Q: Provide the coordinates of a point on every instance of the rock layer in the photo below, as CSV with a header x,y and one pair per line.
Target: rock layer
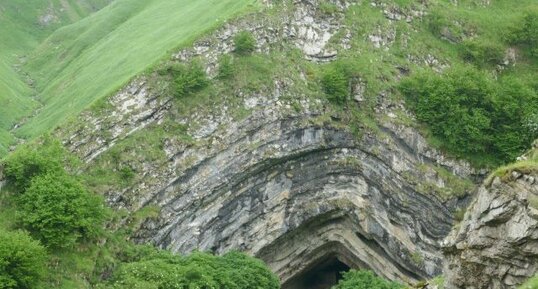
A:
x,y
293,186
497,242
285,191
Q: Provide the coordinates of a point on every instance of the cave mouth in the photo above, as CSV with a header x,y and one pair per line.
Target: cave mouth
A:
x,y
323,275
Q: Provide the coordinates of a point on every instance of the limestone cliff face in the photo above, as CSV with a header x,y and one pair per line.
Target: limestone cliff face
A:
x,y
294,194
294,191
290,183
496,245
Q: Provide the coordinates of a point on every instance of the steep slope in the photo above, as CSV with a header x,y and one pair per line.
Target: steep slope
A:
x,y
262,157
23,25
497,242
262,162
90,59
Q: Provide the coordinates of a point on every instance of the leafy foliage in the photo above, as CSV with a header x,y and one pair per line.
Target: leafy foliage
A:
x,y
226,67
22,260
471,113
244,43
527,34
31,160
482,52
59,211
364,280
335,84
198,270
188,79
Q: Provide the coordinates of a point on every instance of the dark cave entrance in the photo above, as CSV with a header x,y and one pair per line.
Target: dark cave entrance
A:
x,y
321,276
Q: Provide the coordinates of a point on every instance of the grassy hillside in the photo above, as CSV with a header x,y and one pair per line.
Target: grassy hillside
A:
x,y
95,56
23,25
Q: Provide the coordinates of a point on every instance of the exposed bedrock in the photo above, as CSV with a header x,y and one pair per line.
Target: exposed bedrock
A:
x,y
296,194
290,183
497,242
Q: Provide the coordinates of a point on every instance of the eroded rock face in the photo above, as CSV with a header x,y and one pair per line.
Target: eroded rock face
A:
x,y
293,186
291,192
496,245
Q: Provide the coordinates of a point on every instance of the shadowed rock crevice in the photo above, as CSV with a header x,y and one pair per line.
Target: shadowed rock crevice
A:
x,y
324,274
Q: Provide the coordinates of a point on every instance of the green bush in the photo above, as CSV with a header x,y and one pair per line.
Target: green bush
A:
x,y
364,280
527,34
328,8
59,211
473,115
335,84
244,43
198,270
188,79
30,161
22,261
482,52
127,174
226,67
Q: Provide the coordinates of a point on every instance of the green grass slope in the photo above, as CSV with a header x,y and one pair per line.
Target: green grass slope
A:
x,y
92,58
21,31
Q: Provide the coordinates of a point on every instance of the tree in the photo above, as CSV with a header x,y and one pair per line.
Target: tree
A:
x,y
22,260
32,160
59,211
364,280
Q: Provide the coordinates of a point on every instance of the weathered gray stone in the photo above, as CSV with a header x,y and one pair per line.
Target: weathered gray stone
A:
x,y
280,184
497,242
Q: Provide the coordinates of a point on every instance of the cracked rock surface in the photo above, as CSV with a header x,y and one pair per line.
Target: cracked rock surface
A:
x,y
497,242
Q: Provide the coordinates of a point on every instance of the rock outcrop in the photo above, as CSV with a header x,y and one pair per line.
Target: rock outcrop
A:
x,y
294,194
290,183
496,245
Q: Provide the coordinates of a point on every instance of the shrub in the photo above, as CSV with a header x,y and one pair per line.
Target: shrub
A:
x,y
226,68
29,161
244,43
188,79
22,260
59,211
482,52
473,115
199,270
364,280
335,84
328,8
127,174
527,34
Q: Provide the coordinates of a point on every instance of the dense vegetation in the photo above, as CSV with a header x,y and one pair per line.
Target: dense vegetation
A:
x,y
198,270
478,102
474,115
52,235
22,260
52,224
365,280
